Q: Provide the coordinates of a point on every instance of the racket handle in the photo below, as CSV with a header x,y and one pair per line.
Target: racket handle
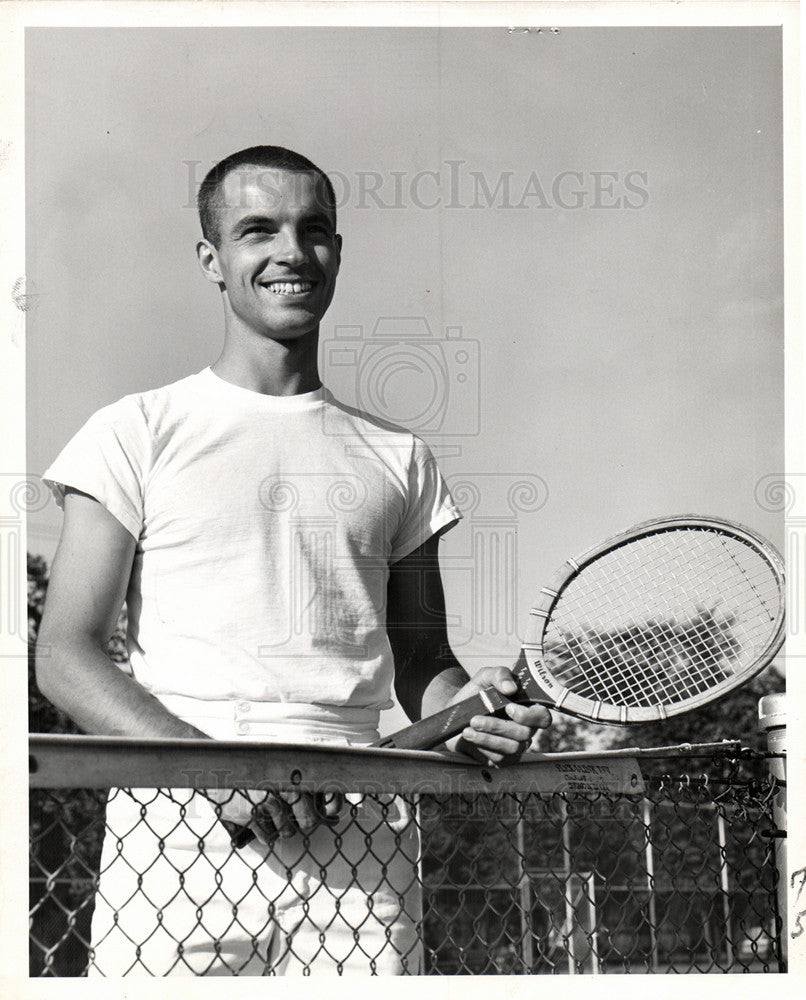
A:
x,y
435,729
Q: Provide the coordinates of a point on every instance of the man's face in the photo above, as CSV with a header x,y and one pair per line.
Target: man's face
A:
x,y
278,254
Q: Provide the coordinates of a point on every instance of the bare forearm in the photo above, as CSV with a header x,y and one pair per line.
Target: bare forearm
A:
x,y
82,681
442,688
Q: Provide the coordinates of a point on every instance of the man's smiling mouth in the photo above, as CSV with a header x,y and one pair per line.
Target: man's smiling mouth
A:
x,y
289,287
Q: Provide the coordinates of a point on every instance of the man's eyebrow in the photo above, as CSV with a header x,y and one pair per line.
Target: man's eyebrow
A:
x,y
250,220
260,219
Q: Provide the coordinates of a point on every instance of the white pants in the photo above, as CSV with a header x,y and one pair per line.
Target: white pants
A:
x,y
176,899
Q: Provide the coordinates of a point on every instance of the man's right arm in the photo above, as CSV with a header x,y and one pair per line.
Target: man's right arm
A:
x,y
88,581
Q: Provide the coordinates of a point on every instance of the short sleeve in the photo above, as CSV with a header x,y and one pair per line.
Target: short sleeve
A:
x,y
107,459
429,506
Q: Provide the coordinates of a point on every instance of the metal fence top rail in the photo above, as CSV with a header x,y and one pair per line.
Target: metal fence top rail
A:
x,y
60,761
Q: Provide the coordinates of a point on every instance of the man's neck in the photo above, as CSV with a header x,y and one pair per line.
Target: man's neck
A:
x,y
271,367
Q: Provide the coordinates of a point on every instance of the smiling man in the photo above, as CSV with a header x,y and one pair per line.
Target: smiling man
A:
x,y
271,246
277,551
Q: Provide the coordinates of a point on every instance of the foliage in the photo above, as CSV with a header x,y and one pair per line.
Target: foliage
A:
x,y
43,717
66,829
733,717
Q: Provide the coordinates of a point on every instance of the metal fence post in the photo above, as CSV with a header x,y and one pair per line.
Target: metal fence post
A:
x,y
724,884
649,860
524,892
772,721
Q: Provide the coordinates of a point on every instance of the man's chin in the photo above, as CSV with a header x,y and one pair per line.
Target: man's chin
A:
x,y
291,332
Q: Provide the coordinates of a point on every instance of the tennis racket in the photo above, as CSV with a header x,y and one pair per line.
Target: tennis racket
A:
x,y
659,620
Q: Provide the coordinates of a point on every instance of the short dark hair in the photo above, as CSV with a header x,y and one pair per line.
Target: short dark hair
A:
x,y
210,201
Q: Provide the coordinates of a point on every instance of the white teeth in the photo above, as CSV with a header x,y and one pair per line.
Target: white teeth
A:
x,y
290,287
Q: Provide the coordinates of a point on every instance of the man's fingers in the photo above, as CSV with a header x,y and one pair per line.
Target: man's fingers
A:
x,y
311,810
499,677
270,815
508,736
277,812
531,716
287,813
330,805
505,728
304,808
494,745
261,824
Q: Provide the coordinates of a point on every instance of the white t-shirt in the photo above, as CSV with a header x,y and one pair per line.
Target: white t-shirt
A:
x,y
265,528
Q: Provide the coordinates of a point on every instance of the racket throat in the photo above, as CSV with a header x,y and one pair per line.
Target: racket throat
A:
x,y
528,690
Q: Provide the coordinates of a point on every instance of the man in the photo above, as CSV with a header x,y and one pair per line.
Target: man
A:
x,y
278,555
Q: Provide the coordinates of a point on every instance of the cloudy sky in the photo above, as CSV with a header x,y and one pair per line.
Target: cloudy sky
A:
x,y
562,260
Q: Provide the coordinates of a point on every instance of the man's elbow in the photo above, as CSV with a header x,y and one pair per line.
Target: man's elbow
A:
x,y
410,703
53,656
410,685
47,676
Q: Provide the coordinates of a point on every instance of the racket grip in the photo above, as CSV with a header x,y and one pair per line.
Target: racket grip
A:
x,y
435,729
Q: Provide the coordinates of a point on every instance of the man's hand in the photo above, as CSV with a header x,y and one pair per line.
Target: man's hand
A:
x,y
497,740
273,814
285,813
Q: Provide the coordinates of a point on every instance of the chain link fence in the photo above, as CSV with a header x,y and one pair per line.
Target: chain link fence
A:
x,y
579,864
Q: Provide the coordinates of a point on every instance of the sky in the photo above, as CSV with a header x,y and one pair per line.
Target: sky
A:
x,y
562,266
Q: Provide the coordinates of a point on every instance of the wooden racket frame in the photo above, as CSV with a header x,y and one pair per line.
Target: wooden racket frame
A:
x,y
574,704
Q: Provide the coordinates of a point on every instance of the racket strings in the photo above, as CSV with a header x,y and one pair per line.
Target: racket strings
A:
x,y
663,618
763,602
638,649
657,660
641,649
648,648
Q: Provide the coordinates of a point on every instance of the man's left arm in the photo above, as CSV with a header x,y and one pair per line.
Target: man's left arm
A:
x,y
428,677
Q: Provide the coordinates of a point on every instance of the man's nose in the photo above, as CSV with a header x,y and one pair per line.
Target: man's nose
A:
x,y
289,248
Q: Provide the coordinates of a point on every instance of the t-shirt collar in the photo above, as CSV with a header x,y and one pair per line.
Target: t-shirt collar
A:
x,y
299,401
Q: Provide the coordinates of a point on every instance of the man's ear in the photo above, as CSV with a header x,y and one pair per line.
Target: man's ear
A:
x,y
208,261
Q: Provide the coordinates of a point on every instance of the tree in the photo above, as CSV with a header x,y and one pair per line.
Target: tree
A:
x,y
733,717
66,828
43,717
